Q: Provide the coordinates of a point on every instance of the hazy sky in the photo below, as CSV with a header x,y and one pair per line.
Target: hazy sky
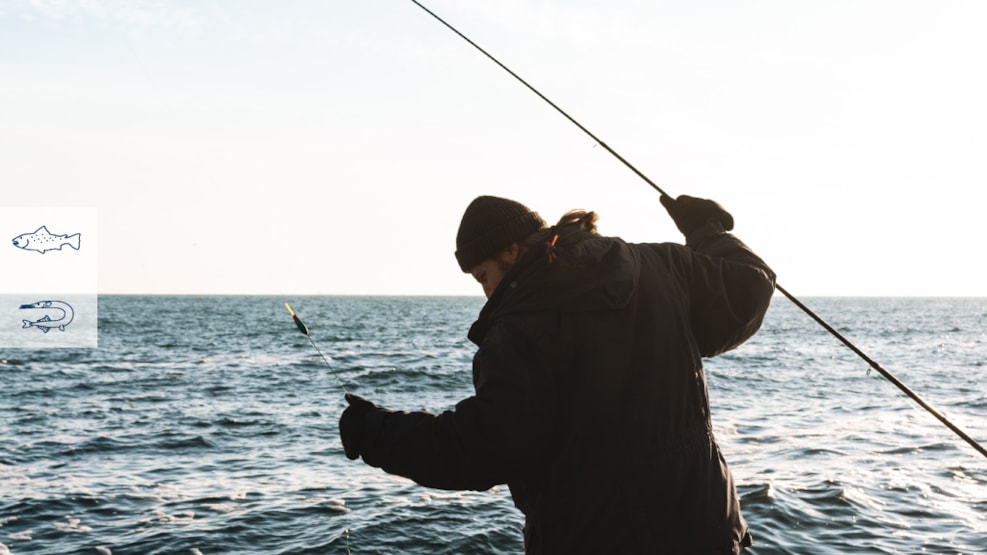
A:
x,y
327,147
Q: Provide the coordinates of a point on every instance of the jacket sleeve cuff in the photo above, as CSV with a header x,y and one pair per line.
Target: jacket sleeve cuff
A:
x,y
373,423
712,228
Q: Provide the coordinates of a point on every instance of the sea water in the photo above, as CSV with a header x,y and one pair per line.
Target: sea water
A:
x,y
208,425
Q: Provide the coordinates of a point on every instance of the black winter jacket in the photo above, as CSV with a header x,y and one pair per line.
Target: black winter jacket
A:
x,y
591,401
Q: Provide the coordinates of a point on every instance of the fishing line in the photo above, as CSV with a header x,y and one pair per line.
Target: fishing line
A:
x,y
791,297
304,329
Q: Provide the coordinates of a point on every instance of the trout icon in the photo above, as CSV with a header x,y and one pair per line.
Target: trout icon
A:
x,y
43,241
45,323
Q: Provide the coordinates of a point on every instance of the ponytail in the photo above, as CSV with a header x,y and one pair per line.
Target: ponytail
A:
x,y
583,219
586,220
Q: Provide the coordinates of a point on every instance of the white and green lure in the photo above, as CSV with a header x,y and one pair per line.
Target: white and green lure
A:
x,y
304,329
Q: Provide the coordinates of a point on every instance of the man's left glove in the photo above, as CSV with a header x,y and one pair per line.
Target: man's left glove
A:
x,y
353,425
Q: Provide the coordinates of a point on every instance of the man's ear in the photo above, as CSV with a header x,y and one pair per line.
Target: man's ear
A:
x,y
511,253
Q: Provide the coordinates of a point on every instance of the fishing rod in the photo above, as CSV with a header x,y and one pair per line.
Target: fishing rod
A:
x,y
304,329
781,289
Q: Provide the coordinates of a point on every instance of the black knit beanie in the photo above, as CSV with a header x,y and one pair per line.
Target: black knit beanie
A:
x,y
491,224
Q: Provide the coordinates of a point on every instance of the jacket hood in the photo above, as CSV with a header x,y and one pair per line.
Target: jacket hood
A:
x,y
581,272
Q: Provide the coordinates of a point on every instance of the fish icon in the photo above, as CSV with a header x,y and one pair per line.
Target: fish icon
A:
x,y
43,241
46,323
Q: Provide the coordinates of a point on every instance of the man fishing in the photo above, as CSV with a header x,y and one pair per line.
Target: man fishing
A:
x,y
591,400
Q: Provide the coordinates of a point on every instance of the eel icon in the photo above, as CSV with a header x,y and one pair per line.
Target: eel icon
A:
x,y
46,323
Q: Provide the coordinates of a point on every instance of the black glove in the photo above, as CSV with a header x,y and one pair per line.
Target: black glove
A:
x,y
691,214
353,425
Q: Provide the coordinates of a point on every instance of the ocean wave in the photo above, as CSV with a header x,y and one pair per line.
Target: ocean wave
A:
x,y
183,443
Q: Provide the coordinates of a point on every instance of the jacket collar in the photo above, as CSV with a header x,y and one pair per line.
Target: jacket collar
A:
x,y
588,272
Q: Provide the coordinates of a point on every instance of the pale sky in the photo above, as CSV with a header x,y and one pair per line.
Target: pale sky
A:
x,y
327,147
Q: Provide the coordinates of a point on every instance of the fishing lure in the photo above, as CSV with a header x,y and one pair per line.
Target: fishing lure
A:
x,y
305,331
